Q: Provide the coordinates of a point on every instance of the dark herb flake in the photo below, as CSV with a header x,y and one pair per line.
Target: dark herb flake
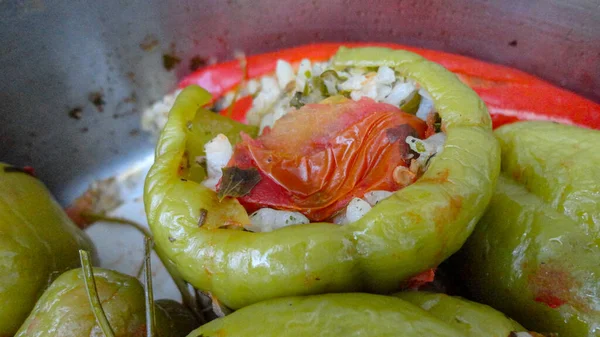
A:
x,y
296,101
202,217
237,182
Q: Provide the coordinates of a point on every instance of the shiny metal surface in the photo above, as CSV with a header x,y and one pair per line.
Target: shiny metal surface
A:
x,y
56,55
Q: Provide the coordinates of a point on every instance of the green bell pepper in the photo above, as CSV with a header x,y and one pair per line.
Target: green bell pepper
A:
x,y
534,255
37,243
472,318
413,230
355,314
64,309
342,315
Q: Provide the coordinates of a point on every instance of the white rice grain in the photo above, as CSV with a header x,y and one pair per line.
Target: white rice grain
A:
x,y
374,197
303,70
252,87
284,73
267,121
400,93
268,219
356,209
354,82
218,153
425,108
385,75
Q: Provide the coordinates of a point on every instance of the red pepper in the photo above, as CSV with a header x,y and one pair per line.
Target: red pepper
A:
x,y
551,301
419,280
239,110
510,94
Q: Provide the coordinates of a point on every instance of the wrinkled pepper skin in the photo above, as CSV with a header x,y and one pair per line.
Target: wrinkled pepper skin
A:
x,y
510,94
64,309
37,243
413,230
535,254
329,315
472,318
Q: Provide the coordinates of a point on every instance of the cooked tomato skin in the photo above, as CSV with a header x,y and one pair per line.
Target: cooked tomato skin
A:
x,y
317,171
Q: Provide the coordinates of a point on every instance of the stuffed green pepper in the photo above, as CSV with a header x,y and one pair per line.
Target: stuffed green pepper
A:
x,y
472,318
352,174
535,254
357,314
37,243
64,309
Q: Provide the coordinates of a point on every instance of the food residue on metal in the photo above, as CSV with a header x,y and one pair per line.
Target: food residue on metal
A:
x,y
131,77
97,98
101,197
170,61
197,62
132,98
149,42
76,113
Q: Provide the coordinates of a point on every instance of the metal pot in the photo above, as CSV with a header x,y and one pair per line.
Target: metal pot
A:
x,y
76,74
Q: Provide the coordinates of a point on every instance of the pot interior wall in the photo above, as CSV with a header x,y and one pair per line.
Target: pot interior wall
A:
x,y
77,74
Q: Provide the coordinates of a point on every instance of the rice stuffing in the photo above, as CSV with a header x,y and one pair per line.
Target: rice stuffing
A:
x,y
291,87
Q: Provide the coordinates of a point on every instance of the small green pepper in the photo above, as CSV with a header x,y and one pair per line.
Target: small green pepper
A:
x,y
472,318
329,315
535,253
64,309
413,230
37,243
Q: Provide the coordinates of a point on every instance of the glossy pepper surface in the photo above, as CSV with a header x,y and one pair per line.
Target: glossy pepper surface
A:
x,y
535,253
472,318
64,309
411,231
331,315
37,243
510,95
